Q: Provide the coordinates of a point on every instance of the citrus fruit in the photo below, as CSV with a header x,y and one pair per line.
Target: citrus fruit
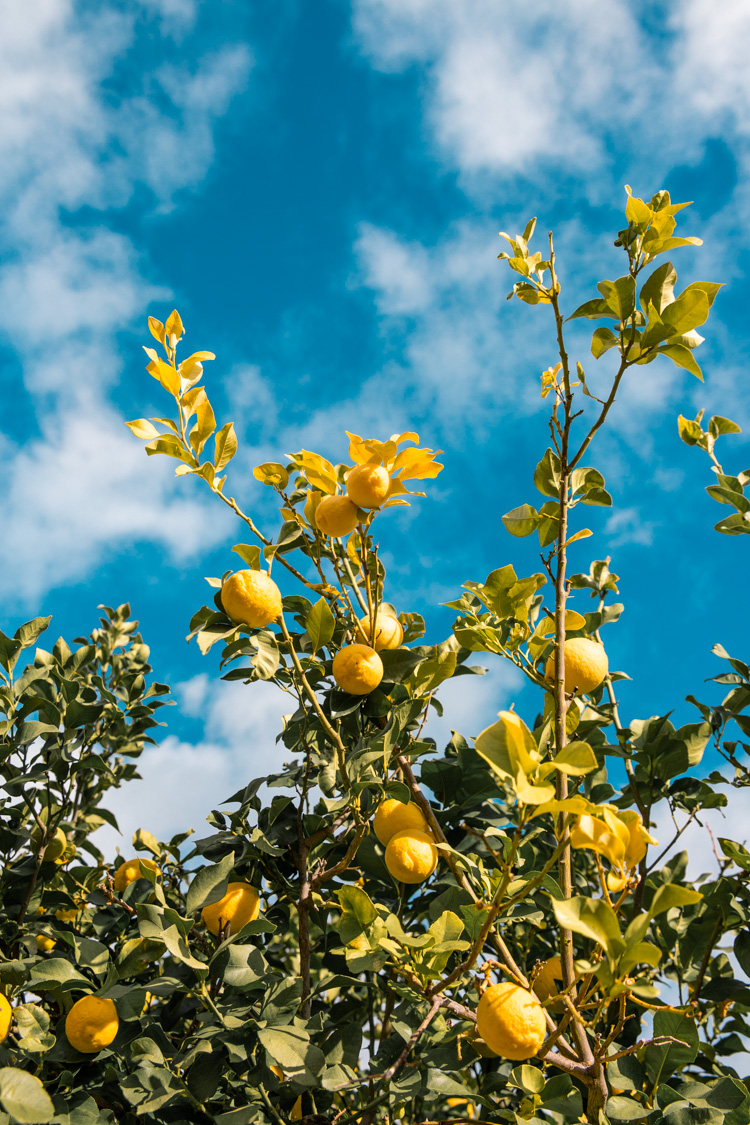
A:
x,y
129,871
336,515
251,597
367,485
67,915
511,1021
55,846
240,905
91,1024
545,983
357,669
392,816
6,1017
388,630
586,665
411,856
44,943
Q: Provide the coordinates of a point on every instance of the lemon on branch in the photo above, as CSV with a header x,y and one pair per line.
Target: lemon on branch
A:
x,y
336,516
510,1020
586,665
240,905
91,1024
411,856
54,848
6,1017
389,632
368,485
251,597
129,871
44,943
394,816
357,669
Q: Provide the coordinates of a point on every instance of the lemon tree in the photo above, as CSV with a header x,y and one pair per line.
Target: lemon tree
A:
x,y
383,929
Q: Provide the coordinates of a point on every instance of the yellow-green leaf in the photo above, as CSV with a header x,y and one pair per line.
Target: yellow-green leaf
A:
x,y
529,794
173,327
577,758
156,328
226,446
508,746
166,374
272,473
142,428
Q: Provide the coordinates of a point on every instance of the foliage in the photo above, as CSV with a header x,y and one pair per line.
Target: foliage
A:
x,y
353,997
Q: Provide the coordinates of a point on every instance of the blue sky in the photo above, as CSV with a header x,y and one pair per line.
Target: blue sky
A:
x,y
318,188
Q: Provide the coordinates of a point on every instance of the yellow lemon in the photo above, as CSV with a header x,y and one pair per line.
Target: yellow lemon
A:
x,y
6,1017
586,665
545,983
336,515
91,1024
240,905
252,598
44,943
388,630
394,816
511,1021
129,871
67,915
55,847
368,485
411,856
357,669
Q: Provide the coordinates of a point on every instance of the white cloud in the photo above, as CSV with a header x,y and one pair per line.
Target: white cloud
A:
x,y
627,527
182,783
67,288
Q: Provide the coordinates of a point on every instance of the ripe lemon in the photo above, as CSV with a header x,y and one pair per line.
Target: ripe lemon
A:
x,y
394,816
240,905
586,665
91,1024
411,856
511,1021
545,983
336,515
44,943
368,485
252,598
357,669
389,632
129,871
55,846
6,1017
67,915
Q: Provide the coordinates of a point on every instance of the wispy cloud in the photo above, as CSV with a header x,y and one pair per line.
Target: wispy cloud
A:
x,y
72,151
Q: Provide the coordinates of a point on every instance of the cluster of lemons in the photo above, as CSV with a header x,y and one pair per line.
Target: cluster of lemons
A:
x,y
251,597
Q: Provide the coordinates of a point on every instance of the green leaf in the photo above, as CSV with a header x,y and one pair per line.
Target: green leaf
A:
x,y
716,426
602,340
682,357
226,446
508,747
593,310
249,553
272,473
658,289
689,311
24,1097
527,1078
170,446
690,432
625,1109
290,1047
320,624
209,885
144,841
521,521
663,1061
547,474
620,296
592,918
357,902
576,758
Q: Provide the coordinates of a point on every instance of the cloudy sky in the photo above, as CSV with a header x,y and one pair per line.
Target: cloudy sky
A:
x,y
318,189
